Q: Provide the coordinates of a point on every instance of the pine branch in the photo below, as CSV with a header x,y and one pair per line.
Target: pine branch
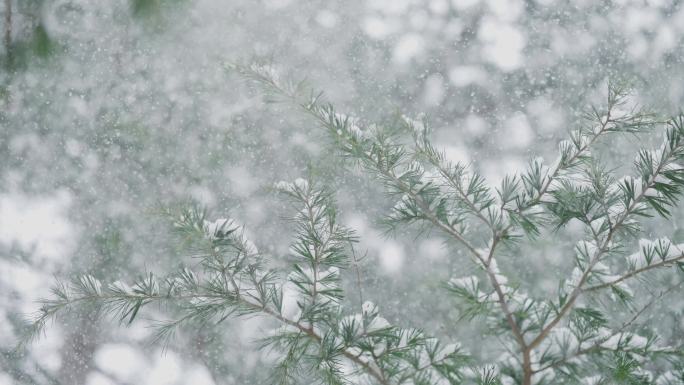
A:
x,y
233,282
430,215
356,143
464,184
115,296
458,193
672,149
515,329
344,129
309,331
575,152
664,263
597,346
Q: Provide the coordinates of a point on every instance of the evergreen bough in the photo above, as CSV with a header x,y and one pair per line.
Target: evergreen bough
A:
x,y
568,339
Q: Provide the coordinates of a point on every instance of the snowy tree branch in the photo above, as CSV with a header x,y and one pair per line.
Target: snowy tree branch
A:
x,y
664,263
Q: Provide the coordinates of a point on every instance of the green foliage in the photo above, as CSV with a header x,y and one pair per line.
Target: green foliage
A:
x,y
42,44
143,7
317,341
544,338
566,338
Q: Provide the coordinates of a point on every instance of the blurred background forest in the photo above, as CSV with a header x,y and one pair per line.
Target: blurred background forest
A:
x,y
111,108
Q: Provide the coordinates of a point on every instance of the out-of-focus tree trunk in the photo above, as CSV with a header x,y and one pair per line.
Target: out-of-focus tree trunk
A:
x,y
8,30
80,344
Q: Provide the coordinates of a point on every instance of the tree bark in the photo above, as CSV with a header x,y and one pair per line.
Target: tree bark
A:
x,y
527,368
81,343
8,30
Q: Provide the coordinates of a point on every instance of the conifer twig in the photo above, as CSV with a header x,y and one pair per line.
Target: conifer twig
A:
x,y
598,345
666,262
